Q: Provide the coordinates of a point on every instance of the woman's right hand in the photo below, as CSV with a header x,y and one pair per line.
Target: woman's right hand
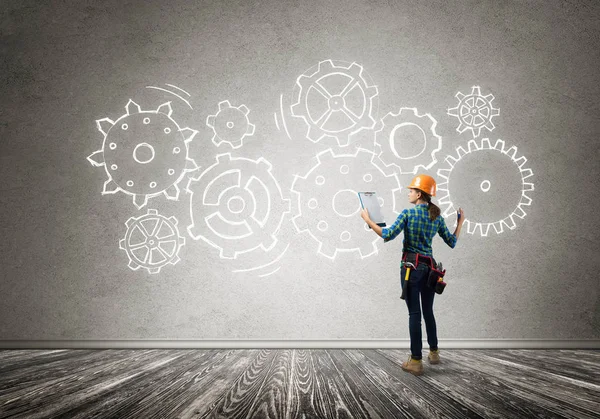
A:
x,y
461,216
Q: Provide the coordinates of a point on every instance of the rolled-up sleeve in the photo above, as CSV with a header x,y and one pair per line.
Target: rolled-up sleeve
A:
x,y
449,238
390,233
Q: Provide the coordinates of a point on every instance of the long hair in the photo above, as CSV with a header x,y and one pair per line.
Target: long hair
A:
x,y
434,210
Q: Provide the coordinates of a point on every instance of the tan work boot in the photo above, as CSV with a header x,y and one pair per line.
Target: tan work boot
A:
x,y
434,356
413,366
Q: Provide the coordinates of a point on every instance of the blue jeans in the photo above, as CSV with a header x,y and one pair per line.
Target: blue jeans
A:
x,y
417,285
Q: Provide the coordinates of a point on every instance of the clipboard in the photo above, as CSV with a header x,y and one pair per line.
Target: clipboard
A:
x,y
369,201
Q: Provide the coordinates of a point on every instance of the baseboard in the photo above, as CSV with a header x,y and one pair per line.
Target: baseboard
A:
x,y
298,344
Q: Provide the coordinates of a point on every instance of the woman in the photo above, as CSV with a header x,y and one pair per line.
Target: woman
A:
x,y
420,225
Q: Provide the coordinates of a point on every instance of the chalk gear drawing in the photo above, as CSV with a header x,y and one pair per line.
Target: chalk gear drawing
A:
x,y
407,130
335,101
327,202
474,112
244,203
230,124
144,153
473,178
152,241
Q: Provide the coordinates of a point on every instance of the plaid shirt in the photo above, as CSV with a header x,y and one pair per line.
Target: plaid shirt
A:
x,y
419,230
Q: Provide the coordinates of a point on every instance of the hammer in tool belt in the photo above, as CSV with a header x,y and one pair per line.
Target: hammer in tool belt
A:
x,y
408,266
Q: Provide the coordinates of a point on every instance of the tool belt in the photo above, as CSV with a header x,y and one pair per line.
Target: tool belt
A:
x,y
414,258
436,274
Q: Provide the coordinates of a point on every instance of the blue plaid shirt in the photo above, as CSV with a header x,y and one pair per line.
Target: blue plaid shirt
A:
x,y
419,230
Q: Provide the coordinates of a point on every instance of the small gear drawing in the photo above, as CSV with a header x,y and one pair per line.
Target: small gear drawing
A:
x,y
512,169
327,204
340,102
408,119
230,124
152,241
474,112
144,153
245,202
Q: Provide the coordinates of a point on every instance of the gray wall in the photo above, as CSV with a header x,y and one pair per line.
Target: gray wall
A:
x,y
67,64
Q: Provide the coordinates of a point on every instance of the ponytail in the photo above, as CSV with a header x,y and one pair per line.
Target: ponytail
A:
x,y
434,210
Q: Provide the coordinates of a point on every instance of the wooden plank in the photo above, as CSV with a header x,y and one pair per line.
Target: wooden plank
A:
x,y
308,396
20,354
373,400
565,364
541,375
210,388
592,355
239,398
35,359
481,393
326,392
472,400
271,399
530,385
406,395
345,399
184,389
46,371
58,396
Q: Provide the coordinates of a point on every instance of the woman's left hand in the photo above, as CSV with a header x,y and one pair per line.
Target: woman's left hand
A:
x,y
365,215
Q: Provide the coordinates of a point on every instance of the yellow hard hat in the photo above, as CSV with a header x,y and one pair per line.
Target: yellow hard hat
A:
x,y
424,183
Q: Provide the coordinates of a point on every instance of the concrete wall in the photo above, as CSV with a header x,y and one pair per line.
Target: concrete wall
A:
x,y
68,64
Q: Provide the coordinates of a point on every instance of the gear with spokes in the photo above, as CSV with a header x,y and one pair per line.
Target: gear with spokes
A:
x,y
408,130
474,112
230,124
335,101
152,241
144,153
492,179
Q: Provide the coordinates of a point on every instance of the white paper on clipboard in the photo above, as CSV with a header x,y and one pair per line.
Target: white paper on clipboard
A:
x,y
369,201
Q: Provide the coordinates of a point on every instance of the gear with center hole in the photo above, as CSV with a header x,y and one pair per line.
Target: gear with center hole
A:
x,y
474,112
327,204
341,102
144,153
392,126
230,124
152,241
236,205
480,187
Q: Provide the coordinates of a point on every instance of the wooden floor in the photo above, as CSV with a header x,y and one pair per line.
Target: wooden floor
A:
x,y
327,383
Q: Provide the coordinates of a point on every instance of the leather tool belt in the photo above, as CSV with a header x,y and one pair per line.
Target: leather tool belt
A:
x,y
415,258
436,274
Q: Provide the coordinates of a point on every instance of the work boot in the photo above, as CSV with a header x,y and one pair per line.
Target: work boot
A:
x,y
434,356
413,366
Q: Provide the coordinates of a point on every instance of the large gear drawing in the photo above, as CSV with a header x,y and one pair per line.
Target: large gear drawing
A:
x,y
230,124
245,202
474,112
144,153
152,241
408,119
327,204
514,167
335,111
